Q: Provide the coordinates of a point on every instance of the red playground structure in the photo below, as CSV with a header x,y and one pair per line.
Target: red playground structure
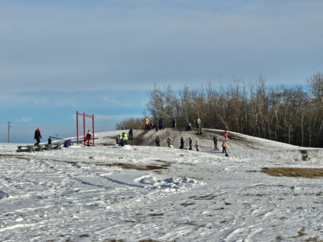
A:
x,y
77,125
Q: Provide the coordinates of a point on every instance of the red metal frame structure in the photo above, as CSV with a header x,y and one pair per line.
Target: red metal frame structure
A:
x,y
77,125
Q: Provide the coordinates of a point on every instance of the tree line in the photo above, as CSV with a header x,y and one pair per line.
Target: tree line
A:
x,y
291,115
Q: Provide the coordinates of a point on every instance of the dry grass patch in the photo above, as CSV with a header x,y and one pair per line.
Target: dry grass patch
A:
x,y
196,178
156,214
84,236
313,239
125,166
192,223
113,240
301,232
8,156
205,197
128,166
151,240
293,172
187,204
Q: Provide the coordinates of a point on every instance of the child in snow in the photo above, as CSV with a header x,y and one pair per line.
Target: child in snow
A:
x,y
224,147
197,146
215,140
68,143
169,142
157,141
182,143
125,137
49,144
88,137
121,142
118,138
190,143
188,127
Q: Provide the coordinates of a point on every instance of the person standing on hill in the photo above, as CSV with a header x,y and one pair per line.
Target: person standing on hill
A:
x,y
182,143
156,126
160,123
174,123
169,142
146,122
190,143
157,141
225,135
224,147
49,143
130,134
125,137
118,139
37,136
215,140
199,123
197,146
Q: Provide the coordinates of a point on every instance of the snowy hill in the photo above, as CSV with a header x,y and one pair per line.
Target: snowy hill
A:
x,y
147,193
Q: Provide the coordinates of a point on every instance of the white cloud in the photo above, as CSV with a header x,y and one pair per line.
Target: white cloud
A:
x,y
23,120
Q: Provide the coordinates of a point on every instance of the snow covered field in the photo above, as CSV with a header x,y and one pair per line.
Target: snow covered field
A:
x,y
146,193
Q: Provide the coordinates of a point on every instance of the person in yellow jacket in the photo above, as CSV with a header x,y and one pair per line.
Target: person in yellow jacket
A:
x,y
146,122
125,137
224,147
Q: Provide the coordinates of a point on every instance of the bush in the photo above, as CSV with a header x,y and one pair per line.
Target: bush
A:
x,y
131,123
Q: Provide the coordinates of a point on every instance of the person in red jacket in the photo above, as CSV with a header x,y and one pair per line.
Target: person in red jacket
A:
x,y
225,135
88,137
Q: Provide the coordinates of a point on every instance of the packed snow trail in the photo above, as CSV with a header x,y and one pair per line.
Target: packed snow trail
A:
x,y
104,193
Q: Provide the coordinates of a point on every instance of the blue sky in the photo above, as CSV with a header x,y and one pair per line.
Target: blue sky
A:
x,y
102,57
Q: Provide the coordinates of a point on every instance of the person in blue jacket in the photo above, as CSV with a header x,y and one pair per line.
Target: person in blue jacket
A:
x,y
68,143
130,134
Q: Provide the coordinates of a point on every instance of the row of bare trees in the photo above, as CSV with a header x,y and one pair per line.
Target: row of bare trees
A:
x,y
292,115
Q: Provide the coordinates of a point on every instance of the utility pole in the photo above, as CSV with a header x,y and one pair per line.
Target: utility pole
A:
x,y
9,130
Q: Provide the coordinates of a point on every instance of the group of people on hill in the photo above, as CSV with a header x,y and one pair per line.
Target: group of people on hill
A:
x,y
122,138
38,137
149,125
197,146
170,143
224,145
158,125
